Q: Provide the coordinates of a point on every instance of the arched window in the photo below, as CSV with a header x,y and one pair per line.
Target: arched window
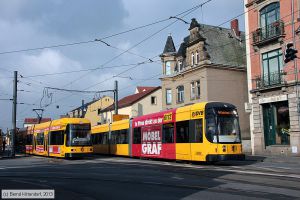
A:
x,y
268,16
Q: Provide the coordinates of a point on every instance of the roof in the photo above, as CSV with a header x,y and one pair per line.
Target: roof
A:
x,y
87,104
35,120
221,45
84,105
169,47
131,99
194,24
143,88
182,50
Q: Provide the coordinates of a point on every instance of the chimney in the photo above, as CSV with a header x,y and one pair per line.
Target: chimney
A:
x,y
235,27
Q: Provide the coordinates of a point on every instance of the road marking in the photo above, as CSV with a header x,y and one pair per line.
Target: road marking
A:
x,y
260,188
178,178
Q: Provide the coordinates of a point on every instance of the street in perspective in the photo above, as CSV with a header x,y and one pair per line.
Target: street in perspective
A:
x,y
150,99
105,177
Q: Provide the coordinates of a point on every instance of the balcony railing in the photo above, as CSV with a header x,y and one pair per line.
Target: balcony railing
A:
x,y
268,33
269,80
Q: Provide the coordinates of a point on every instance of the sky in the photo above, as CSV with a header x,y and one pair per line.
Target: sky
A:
x,y
28,27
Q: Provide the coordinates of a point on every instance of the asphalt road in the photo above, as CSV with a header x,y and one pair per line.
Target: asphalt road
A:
x,y
126,178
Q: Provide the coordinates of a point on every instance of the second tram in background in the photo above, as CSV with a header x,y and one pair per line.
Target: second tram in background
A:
x,y
64,138
207,131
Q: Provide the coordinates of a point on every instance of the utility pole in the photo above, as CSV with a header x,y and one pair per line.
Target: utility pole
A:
x,y
116,97
14,114
82,109
295,60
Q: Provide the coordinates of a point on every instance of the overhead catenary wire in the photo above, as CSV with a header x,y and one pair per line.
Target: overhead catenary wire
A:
x,y
103,38
150,36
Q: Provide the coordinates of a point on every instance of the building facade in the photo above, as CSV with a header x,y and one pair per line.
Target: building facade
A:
x,y
208,66
273,84
92,110
146,100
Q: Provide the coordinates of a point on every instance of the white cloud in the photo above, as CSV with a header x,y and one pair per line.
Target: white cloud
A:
x,y
48,61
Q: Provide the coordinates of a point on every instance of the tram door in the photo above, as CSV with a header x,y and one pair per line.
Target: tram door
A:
x,y
183,138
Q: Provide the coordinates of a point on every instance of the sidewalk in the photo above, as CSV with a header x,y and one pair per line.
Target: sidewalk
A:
x,y
274,159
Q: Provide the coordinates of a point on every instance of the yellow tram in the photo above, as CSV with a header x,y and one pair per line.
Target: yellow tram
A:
x,y
207,131
65,138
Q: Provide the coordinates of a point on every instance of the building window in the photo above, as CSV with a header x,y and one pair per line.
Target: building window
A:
x,y
193,59
153,100
180,66
180,94
168,96
195,90
272,65
168,68
268,16
197,57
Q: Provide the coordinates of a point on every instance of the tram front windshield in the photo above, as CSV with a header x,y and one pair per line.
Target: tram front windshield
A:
x,y
222,126
78,135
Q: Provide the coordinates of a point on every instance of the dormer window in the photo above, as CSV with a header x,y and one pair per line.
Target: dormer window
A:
x,y
197,57
168,68
193,59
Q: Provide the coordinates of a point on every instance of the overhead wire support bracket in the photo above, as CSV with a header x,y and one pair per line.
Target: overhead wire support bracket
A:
x,y
174,17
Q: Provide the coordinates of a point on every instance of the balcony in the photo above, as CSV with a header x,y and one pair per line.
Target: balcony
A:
x,y
266,81
268,33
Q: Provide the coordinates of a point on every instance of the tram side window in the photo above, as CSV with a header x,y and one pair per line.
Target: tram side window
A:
x,y
29,139
168,133
105,138
40,139
114,137
93,138
199,130
182,132
96,138
56,138
137,136
196,131
123,136
99,138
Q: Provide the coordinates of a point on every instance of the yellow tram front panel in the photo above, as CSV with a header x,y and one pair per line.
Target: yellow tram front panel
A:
x,y
79,150
102,148
120,149
59,127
